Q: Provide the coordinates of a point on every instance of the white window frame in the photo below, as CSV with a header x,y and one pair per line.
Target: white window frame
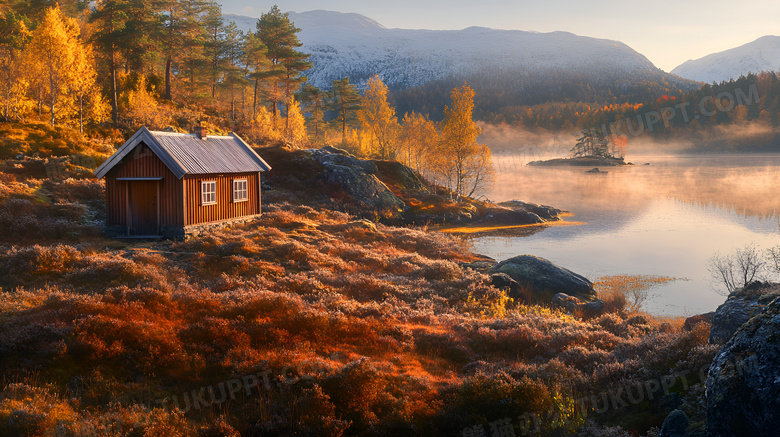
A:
x,y
240,193
208,192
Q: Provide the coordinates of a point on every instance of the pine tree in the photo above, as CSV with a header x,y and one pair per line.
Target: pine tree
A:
x,y
120,30
233,75
314,99
279,36
214,27
179,31
592,143
345,101
257,63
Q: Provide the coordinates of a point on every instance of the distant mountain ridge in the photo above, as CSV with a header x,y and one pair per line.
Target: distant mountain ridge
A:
x,y
348,44
762,54
506,67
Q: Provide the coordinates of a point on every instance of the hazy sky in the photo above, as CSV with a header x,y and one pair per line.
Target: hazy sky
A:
x,y
667,32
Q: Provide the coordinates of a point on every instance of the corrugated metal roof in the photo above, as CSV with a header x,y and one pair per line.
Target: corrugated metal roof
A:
x,y
188,154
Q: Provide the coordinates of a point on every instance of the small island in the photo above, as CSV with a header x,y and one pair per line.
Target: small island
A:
x,y
592,149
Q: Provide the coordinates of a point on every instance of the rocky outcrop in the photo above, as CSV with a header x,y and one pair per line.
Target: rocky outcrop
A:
x,y
365,189
547,213
740,307
743,384
384,190
356,177
517,212
544,278
509,217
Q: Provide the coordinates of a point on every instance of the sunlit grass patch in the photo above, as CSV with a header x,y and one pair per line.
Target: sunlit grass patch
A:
x,y
627,292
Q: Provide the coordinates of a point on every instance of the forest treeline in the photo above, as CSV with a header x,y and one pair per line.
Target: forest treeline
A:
x,y
120,64
171,64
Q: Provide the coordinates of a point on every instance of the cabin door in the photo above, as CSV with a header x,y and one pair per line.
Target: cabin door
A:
x,y
143,207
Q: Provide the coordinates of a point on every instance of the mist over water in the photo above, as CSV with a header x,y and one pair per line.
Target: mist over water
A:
x,y
667,218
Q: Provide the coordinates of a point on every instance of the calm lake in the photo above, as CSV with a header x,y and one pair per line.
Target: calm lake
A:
x,y
667,218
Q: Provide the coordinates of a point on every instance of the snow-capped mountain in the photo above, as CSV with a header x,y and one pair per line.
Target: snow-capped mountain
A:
x,y
762,54
343,44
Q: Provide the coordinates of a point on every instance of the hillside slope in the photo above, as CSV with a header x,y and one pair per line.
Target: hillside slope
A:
x,y
762,54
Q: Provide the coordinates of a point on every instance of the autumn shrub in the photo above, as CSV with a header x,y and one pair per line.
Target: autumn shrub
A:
x,y
485,397
31,411
218,429
358,392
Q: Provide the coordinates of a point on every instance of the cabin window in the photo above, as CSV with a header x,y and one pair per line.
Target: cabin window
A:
x,y
208,192
239,190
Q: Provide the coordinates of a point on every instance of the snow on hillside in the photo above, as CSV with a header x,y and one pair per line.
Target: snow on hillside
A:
x,y
762,54
353,45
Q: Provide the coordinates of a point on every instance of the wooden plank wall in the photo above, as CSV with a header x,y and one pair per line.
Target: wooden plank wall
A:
x,y
142,162
225,208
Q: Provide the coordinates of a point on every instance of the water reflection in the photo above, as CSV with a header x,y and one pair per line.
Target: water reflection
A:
x,y
667,218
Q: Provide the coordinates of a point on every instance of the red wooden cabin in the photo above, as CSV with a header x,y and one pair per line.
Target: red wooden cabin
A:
x,y
161,184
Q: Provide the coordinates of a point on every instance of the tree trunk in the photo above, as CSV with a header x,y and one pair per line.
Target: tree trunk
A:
x,y
81,113
214,65
168,63
254,100
52,95
114,108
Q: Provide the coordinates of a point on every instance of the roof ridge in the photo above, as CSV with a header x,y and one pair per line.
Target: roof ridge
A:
x,y
185,134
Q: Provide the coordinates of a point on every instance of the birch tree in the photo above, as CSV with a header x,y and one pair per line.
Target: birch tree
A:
x,y
377,119
462,161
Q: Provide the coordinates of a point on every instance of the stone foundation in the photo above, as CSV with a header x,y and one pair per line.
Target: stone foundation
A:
x,y
182,232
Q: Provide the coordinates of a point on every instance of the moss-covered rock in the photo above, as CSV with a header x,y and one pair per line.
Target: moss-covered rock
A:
x,y
743,384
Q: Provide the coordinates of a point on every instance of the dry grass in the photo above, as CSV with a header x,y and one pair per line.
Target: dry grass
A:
x,y
406,341
411,342
627,292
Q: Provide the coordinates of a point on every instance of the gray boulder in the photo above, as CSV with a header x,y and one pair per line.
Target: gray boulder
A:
x,y
545,278
365,189
571,304
674,425
692,321
502,281
330,156
568,303
481,265
740,307
743,384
